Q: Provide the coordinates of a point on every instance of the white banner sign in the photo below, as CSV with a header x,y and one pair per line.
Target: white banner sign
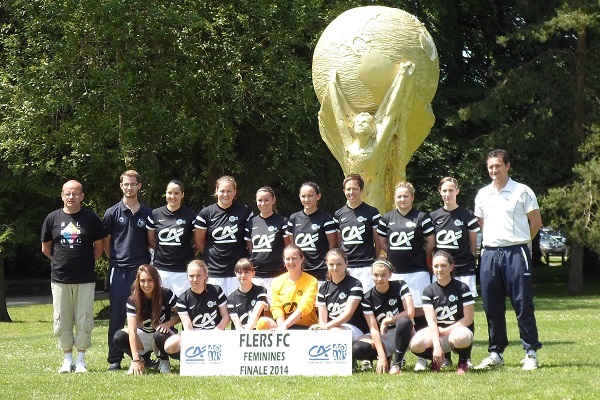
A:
x,y
251,353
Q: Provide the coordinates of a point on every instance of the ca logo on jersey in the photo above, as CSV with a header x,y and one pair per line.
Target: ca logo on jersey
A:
x,y
448,239
307,242
225,234
205,321
262,243
446,313
170,236
335,309
353,234
401,240
382,316
289,308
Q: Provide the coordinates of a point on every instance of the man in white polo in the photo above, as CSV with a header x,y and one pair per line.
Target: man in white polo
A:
x,y
510,218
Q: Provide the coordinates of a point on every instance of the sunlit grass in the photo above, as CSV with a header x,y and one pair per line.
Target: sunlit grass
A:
x,y
568,328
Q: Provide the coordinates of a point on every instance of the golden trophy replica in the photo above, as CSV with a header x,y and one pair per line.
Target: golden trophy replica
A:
x,y
375,72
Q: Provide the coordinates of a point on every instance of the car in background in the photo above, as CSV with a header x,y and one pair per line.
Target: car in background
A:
x,y
550,245
555,234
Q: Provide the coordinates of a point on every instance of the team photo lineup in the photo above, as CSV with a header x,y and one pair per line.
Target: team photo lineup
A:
x,y
401,281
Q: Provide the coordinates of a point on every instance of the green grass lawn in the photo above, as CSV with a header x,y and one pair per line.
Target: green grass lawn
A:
x,y
570,367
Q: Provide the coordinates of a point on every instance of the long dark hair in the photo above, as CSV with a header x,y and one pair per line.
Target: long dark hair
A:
x,y
138,297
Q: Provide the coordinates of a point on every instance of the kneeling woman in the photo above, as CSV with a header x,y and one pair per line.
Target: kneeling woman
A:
x,y
338,301
202,307
449,308
151,315
388,309
293,294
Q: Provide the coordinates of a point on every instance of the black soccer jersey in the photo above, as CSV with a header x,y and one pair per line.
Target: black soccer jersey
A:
x,y
448,301
266,235
335,296
452,235
387,304
225,243
168,302
203,308
174,234
406,239
241,304
356,227
310,234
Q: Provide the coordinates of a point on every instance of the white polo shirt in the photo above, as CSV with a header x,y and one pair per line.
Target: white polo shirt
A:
x,y
504,214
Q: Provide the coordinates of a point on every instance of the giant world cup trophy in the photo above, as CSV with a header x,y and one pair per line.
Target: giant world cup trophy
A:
x,y
375,72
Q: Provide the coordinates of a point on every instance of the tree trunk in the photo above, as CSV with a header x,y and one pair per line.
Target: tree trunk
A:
x,y
576,269
4,317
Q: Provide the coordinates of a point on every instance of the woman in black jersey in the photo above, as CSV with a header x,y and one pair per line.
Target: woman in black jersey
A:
x,y
357,234
202,307
388,309
247,303
266,238
338,300
170,234
219,234
313,231
456,230
151,316
449,308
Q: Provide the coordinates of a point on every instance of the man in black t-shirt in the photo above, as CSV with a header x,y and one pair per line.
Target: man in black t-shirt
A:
x,y
72,239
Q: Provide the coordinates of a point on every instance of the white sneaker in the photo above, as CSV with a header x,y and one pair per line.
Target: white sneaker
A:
x,y
530,363
366,365
164,367
66,367
80,368
420,365
493,360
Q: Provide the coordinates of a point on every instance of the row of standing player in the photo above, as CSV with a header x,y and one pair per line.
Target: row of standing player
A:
x,y
379,320
226,231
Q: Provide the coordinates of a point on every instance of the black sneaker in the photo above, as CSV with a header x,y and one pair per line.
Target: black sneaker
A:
x,y
114,367
149,363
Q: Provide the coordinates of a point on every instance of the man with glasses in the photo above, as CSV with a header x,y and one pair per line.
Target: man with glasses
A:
x,y
127,248
72,238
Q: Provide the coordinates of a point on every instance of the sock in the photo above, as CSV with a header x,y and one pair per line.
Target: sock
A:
x,y
404,329
80,357
531,353
427,354
69,357
465,353
448,356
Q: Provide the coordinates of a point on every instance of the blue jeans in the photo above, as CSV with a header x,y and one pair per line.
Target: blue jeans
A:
x,y
508,270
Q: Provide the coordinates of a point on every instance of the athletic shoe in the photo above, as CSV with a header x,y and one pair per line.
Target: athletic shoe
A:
x,y
530,363
395,369
150,363
435,367
463,367
493,360
420,365
114,367
80,368
164,366
447,363
365,366
66,367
